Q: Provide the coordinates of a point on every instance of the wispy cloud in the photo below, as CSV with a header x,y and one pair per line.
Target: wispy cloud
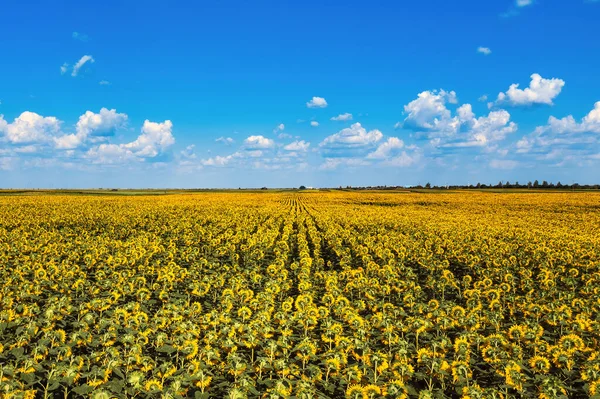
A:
x,y
82,37
342,117
225,140
79,64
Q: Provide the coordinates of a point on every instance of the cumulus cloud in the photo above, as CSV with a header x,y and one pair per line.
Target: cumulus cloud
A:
x,y
387,148
64,68
564,133
353,138
483,130
540,91
103,123
104,83
484,50
155,138
92,125
342,117
79,64
483,98
428,111
30,127
297,146
314,123
429,116
259,142
317,102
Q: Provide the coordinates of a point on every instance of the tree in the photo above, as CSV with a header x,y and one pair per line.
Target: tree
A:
x,y
536,184
302,188
428,185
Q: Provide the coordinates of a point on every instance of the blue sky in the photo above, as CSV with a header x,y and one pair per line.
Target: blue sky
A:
x,y
279,93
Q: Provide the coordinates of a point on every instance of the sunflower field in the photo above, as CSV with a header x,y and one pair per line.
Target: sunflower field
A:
x,y
300,295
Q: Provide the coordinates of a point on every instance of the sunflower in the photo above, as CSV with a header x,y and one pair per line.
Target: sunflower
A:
x,y
354,391
153,385
539,364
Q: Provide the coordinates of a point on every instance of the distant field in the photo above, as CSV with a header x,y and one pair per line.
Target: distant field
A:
x,y
302,294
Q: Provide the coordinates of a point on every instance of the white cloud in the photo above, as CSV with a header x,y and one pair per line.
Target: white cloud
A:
x,y
281,127
353,137
7,163
503,164
297,146
314,123
483,98
317,102
63,68
155,138
82,61
80,36
429,110
111,154
429,115
92,125
564,133
334,163
220,161
387,148
259,142
523,3
403,160
540,91
103,123
483,130
225,140
104,83
189,153
342,117
30,127
484,50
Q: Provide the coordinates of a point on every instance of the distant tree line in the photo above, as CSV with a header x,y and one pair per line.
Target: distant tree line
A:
x,y
479,186
516,185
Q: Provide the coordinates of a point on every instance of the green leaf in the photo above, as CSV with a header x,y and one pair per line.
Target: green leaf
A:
x,y
54,385
118,372
17,352
83,389
167,349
